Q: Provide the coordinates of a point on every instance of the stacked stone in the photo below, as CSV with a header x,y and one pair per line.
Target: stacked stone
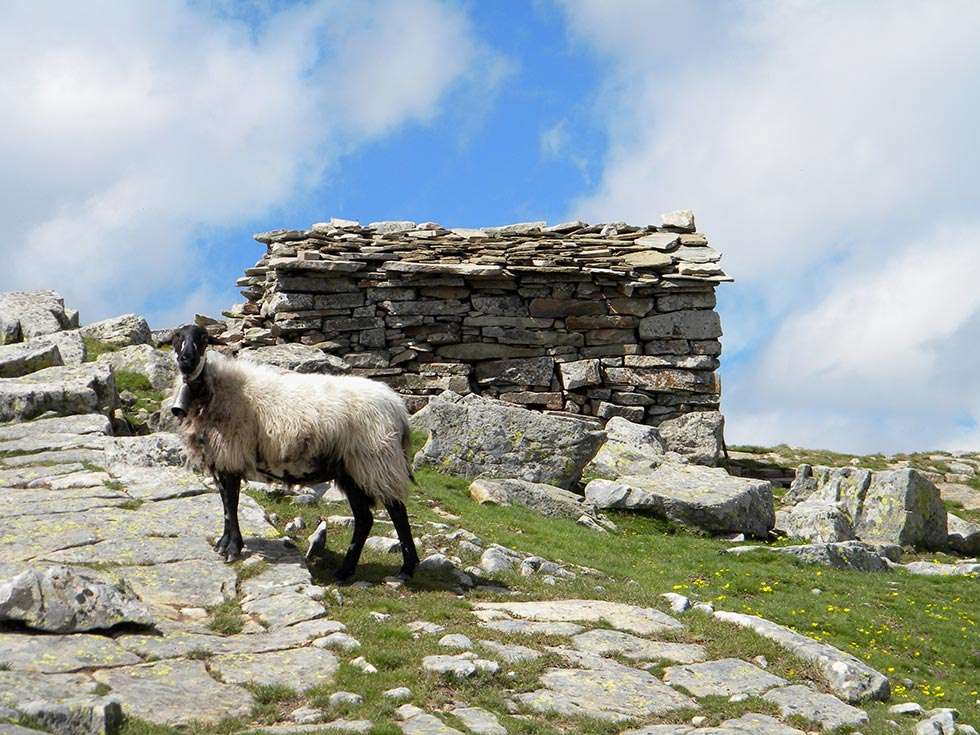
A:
x,y
603,320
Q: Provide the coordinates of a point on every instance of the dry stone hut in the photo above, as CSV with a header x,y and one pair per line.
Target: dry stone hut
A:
x,y
603,320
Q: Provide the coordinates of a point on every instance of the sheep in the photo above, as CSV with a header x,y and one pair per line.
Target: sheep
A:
x,y
239,420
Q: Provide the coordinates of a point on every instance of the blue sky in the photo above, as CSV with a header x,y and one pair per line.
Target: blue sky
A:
x,y
828,149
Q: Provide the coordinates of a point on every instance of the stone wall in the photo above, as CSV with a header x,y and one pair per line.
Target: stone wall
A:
x,y
604,320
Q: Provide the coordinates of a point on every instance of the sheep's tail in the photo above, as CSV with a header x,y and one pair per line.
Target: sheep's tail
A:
x,y
407,447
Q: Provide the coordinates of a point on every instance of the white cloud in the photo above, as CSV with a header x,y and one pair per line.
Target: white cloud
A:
x,y
553,140
130,127
829,151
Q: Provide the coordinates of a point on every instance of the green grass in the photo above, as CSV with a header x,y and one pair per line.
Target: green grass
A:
x,y
95,348
227,618
147,397
922,632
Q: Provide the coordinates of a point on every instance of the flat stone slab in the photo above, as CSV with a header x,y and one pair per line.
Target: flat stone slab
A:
x,y
285,608
614,642
340,725
91,423
460,666
639,620
297,668
933,569
704,497
479,721
193,583
530,627
825,709
548,500
175,693
138,551
722,678
751,723
511,653
415,721
17,687
81,389
849,678
611,694
854,555
61,653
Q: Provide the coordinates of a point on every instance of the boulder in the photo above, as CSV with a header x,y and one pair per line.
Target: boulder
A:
x,y
27,357
70,344
817,521
27,314
65,600
704,497
548,500
296,357
161,449
697,436
891,506
120,331
475,437
68,390
156,365
964,537
854,555
629,449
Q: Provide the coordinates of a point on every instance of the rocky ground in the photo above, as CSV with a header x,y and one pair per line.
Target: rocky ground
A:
x,y
534,611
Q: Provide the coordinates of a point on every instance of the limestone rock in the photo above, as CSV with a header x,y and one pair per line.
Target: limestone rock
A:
x,y
416,722
847,677
70,344
175,693
548,500
639,620
157,366
28,314
120,331
297,668
964,537
460,666
854,555
479,721
27,357
697,436
682,219
76,716
722,678
704,497
160,449
819,521
613,642
478,437
63,599
65,391
511,653
629,449
824,709
296,357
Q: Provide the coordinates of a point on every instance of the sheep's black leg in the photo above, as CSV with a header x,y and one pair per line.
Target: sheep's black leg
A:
x,y
399,516
360,507
221,545
231,486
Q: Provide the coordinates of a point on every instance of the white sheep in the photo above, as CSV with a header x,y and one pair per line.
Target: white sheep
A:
x,y
241,421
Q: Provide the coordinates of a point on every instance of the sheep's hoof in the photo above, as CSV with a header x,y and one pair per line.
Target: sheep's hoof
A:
x,y
233,552
222,544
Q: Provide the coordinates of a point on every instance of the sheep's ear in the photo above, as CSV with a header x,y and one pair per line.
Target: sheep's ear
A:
x,y
216,341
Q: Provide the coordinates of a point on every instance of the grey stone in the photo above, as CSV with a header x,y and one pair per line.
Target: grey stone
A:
x,y
71,346
611,694
338,642
61,600
27,357
964,537
825,709
175,693
697,436
191,583
473,436
934,569
78,716
28,314
532,627
416,722
338,699
65,391
497,559
479,721
580,374
306,715
847,677
297,668
96,424
382,544
160,449
61,654
906,708
339,725
536,371
682,219
613,642
157,366
296,357
639,620
440,566
629,449
751,723
722,678
397,694
460,666
121,331
424,626
817,520
456,640
704,497
548,500
854,555
8,729
699,324
20,687
511,653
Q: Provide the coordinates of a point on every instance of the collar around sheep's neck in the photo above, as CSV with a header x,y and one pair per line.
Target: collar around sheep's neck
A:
x,y
198,371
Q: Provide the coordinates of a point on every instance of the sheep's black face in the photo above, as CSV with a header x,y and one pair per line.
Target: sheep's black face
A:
x,y
189,343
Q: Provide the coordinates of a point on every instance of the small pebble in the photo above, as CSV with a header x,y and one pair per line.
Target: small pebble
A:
x,y
735,698
362,664
398,694
815,591
337,642
380,617
340,698
306,715
456,640
761,661
698,720
295,526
